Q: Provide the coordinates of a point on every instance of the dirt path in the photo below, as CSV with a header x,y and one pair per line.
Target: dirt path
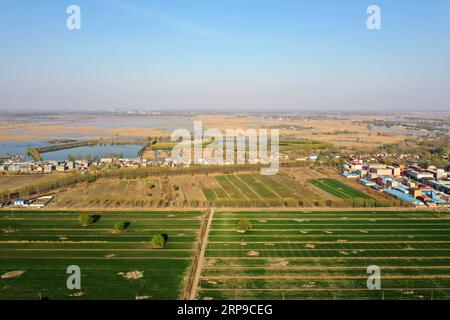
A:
x,y
193,276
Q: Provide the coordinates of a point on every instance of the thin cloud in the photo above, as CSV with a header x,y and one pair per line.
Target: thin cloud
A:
x,y
184,25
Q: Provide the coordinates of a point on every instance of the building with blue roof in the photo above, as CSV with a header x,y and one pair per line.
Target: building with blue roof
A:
x,y
404,197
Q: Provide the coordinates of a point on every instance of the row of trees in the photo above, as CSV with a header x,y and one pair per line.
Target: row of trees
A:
x,y
129,173
292,203
46,185
158,241
144,172
354,203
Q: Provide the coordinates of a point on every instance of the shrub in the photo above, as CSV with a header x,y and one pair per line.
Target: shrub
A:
x,y
85,219
121,225
159,241
244,225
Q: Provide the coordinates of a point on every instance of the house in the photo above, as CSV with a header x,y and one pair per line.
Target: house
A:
x,y
350,175
391,183
25,169
48,168
404,197
38,169
367,183
14,168
376,166
417,175
395,171
415,192
61,167
21,202
70,165
107,160
437,173
356,165
372,176
383,171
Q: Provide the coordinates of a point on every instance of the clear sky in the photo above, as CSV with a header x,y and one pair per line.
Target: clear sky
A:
x,y
229,55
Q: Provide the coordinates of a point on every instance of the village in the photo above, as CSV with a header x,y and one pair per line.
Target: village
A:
x,y
51,166
17,165
419,185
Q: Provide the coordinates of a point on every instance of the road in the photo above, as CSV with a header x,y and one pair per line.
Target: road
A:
x,y
194,273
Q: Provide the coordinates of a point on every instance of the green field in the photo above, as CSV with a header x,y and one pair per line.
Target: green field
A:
x,y
325,255
44,244
339,189
259,190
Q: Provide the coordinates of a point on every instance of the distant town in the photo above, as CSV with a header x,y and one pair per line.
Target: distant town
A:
x,y
416,184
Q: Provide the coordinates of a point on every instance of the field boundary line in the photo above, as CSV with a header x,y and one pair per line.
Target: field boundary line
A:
x,y
321,289
336,258
91,258
328,277
240,191
267,186
193,278
250,187
256,194
330,229
326,242
93,250
321,267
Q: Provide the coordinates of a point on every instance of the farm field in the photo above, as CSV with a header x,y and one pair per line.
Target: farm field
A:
x,y
11,182
298,187
193,191
256,189
339,189
128,193
325,255
43,244
109,193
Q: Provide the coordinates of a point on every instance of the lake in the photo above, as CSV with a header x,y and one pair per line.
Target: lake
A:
x,y
96,151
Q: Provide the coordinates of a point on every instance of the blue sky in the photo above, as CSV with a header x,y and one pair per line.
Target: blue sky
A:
x,y
226,55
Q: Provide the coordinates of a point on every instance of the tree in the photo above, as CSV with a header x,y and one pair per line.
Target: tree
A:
x,y
244,225
440,151
175,187
159,241
85,219
121,225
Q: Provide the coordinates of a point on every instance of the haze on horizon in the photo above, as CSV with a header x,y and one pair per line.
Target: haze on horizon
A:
x,y
233,55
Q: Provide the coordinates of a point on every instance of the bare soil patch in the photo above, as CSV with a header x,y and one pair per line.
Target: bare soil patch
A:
x,y
132,275
12,274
